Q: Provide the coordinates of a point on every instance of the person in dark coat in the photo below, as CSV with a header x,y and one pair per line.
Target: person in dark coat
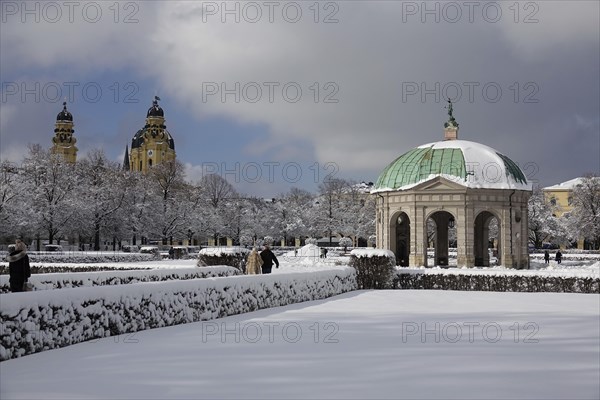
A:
x,y
18,264
547,257
558,256
268,259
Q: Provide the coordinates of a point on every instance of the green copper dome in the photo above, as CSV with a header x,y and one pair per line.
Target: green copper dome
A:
x,y
467,163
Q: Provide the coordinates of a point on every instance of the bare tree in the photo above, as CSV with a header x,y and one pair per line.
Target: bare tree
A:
x,y
216,189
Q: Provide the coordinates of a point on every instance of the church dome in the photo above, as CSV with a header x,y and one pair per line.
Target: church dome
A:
x,y
466,163
153,130
64,115
155,110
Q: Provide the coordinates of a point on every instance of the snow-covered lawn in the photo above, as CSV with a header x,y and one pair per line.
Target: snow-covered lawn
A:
x,y
363,344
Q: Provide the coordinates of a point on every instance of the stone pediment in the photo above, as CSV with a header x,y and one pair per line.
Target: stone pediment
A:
x,y
439,184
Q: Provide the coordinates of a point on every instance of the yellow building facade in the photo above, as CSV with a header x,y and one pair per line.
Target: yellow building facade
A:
x,y
151,145
561,195
63,142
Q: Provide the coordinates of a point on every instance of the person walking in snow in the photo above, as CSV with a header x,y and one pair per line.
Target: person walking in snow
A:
x,y
547,257
558,256
254,263
18,265
268,259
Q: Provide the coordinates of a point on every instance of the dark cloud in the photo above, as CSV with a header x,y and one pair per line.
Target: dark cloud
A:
x,y
385,70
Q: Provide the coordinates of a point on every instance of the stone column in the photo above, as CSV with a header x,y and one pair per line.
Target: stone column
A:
x,y
418,238
507,240
465,236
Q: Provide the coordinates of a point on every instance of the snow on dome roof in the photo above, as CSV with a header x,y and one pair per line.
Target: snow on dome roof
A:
x,y
466,163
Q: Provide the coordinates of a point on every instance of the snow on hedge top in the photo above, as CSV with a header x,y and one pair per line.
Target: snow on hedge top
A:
x,y
220,251
466,163
372,253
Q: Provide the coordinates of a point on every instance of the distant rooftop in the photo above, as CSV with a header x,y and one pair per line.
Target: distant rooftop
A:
x,y
568,185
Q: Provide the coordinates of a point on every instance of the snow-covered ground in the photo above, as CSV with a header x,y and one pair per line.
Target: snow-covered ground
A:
x,y
364,344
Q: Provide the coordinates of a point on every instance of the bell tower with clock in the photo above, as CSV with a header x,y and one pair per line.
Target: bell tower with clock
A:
x,y
63,142
153,144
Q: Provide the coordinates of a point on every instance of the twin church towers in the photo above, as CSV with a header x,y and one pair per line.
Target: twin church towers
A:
x,y
151,145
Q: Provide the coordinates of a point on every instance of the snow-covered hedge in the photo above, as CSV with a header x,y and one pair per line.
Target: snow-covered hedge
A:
x,y
496,280
83,258
374,268
87,279
36,321
63,268
232,256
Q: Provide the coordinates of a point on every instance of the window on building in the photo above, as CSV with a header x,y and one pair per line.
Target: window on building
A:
x,y
553,201
570,200
150,162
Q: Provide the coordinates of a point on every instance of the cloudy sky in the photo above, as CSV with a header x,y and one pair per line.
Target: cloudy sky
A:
x,y
279,94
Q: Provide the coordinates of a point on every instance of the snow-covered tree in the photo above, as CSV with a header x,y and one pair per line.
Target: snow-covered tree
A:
x,y
585,216
10,197
240,218
330,212
345,242
136,212
215,191
301,216
101,193
292,213
363,223
174,201
540,218
47,190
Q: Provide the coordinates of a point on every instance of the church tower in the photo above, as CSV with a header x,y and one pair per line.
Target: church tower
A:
x,y
152,144
63,142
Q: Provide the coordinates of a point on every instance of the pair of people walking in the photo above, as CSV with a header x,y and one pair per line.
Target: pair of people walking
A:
x,y
558,257
261,263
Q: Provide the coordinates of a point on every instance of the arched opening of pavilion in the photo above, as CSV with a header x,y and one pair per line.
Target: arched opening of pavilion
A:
x,y
485,222
400,230
440,228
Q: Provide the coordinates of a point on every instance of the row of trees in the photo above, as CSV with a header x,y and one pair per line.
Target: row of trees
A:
x,y
94,200
581,222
